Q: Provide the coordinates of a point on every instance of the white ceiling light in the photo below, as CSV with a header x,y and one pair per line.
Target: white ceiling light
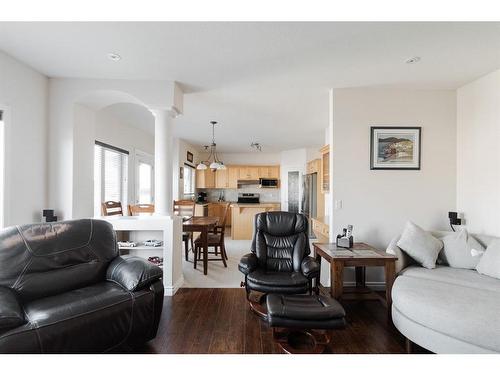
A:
x,y
413,60
114,56
216,163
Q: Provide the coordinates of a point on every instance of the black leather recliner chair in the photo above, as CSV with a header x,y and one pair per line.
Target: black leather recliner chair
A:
x,y
65,289
279,261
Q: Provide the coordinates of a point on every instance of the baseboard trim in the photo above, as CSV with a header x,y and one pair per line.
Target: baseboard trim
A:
x,y
171,290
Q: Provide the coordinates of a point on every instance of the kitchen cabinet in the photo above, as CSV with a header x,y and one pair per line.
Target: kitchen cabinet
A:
x,y
314,166
325,169
227,178
321,229
221,179
205,179
232,177
248,173
269,172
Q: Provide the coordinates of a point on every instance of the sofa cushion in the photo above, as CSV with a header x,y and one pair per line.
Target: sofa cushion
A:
x,y
457,250
420,245
457,303
490,262
277,278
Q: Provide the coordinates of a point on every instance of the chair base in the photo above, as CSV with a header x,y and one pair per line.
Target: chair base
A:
x,y
258,305
292,341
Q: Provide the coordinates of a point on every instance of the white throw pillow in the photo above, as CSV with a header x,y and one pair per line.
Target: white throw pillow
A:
x,y
420,245
461,250
489,264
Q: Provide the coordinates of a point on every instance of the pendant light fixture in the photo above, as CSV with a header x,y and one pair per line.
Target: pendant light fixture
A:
x,y
213,162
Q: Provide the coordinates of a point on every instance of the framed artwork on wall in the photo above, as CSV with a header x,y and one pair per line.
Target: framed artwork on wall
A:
x,y
189,157
395,147
181,173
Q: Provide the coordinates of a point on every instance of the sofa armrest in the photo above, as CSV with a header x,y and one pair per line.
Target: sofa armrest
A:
x,y
133,273
310,267
11,312
248,263
404,260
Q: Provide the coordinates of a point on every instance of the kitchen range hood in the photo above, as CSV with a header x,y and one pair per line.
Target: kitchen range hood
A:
x,y
248,183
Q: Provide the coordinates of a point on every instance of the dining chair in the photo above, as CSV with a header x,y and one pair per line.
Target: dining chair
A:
x,y
110,208
185,208
141,208
215,240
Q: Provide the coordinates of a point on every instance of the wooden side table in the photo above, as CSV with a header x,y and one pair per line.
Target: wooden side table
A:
x,y
360,255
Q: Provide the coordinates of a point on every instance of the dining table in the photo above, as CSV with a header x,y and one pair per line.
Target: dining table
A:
x,y
203,225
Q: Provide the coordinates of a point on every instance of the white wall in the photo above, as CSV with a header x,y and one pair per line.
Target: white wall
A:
x,y
379,202
181,148
64,95
249,158
478,154
23,93
89,126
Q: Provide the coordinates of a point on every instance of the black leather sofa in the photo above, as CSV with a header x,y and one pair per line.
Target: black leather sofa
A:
x,y
65,289
279,261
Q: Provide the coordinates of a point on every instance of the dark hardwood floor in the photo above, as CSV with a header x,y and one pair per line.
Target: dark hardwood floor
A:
x,y
220,321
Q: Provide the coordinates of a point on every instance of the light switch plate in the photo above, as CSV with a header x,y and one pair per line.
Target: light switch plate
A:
x,y
338,204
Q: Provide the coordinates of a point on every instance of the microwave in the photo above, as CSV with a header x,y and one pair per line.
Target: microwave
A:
x,y
268,182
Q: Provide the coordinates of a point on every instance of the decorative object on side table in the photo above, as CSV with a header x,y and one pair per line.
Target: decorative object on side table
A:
x,y
395,147
49,216
345,239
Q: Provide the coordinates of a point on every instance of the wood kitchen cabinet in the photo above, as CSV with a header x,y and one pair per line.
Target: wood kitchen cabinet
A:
x,y
227,178
325,169
248,173
205,179
269,172
314,166
221,179
232,177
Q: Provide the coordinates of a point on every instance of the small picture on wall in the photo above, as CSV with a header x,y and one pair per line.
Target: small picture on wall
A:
x,y
181,173
189,157
395,147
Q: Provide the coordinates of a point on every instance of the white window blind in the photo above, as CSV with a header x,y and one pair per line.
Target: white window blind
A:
x,y
110,175
2,169
189,181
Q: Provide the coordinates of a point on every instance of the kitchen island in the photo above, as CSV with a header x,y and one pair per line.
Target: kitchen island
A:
x,y
242,218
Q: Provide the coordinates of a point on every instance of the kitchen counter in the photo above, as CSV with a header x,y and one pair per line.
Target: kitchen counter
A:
x,y
243,215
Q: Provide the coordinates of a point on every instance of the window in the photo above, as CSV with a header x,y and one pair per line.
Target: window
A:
x,y
2,169
110,175
189,181
144,173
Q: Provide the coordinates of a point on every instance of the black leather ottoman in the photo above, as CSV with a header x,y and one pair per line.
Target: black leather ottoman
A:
x,y
296,318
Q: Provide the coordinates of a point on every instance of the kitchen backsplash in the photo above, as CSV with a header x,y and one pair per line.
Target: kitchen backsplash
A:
x,y
231,195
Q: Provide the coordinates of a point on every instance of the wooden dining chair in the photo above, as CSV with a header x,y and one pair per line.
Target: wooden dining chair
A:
x,y
141,208
185,208
110,208
215,240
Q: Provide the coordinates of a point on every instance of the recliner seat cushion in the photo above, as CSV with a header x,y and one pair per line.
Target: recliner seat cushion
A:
x,y
277,278
458,303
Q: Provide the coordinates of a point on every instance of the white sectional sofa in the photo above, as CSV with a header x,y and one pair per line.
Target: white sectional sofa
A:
x,y
446,310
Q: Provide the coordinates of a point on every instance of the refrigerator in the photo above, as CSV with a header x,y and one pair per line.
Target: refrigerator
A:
x,y
309,198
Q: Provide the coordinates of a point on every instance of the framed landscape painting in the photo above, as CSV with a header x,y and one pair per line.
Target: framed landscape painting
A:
x,y
395,147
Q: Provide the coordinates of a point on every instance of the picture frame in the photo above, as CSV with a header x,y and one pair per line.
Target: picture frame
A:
x,y
189,157
395,147
181,173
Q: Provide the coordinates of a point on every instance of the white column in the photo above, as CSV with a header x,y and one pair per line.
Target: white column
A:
x,y
163,162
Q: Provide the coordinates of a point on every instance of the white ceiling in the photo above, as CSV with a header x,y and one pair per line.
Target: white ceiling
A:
x,y
265,82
